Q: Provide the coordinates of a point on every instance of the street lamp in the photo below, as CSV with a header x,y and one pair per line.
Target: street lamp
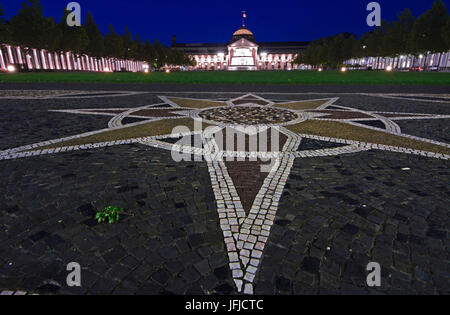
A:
x,y
11,69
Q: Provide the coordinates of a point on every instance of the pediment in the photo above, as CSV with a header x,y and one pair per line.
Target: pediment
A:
x,y
242,42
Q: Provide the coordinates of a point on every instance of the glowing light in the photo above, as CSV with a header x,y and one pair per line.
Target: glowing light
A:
x,y
106,69
389,68
421,56
320,69
167,70
11,68
344,69
146,70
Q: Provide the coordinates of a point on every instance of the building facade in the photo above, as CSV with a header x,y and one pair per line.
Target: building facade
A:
x,y
19,59
436,61
243,52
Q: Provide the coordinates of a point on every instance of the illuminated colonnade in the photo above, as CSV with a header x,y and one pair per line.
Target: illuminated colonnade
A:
x,y
40,59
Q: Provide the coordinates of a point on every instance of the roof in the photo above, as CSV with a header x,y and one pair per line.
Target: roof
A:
x,y
243,32
267,47
282,47
202,48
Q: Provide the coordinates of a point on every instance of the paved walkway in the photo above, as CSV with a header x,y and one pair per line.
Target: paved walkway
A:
x,y
317,218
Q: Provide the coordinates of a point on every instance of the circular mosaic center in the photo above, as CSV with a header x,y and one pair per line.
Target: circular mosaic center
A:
x,y
246,115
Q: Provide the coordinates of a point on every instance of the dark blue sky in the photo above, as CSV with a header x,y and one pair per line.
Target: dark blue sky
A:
x,y
215,21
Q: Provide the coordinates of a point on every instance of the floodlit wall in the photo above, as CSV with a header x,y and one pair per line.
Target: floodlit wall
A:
x,y
440,61
263,62
40,59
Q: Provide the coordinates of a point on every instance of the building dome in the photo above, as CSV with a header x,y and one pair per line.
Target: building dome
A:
x,y
243,32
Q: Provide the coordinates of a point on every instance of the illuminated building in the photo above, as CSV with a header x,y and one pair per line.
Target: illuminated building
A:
x,y
243,52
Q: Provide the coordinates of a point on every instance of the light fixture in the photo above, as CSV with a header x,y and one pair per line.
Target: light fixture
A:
x,y
320,69
11,69
146,70
344,69
389,68
167,70
106,69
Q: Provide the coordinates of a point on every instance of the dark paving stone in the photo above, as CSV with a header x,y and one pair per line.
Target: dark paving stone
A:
x,y
338,231
222,273
139,244
360,206
311,144
350,229
283,284
48,288
372,123
224,289
38,236
311,264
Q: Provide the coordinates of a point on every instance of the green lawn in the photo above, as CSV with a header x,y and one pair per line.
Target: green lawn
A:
x,y
256,77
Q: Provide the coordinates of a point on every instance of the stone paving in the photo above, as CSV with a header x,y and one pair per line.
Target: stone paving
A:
x,y
247,115
327,206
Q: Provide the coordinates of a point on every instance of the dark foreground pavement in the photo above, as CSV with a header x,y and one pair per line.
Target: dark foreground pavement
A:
x,y
344,88
336,214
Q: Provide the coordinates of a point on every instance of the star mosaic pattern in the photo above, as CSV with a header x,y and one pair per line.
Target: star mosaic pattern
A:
x,y
249,144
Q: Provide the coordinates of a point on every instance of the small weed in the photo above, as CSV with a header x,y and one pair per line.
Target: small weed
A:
x,y
109,214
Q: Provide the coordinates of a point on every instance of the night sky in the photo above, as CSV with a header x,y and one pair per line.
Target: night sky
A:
x,y
215,21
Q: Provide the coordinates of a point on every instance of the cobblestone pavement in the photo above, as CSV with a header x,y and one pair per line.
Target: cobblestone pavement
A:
x,y
336,213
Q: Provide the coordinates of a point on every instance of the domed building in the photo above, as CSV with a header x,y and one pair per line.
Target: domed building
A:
x,y
243,52
243,32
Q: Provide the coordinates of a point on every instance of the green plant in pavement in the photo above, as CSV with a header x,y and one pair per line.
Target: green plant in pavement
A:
x,y
109,214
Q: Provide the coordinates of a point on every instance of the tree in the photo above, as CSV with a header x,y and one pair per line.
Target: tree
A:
x,y
329,51
401,32
29,28
160,53
426,35
5,31
133,52
386,45
127,39
113,44
138,48
74,38
149,52
96,45
446,34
